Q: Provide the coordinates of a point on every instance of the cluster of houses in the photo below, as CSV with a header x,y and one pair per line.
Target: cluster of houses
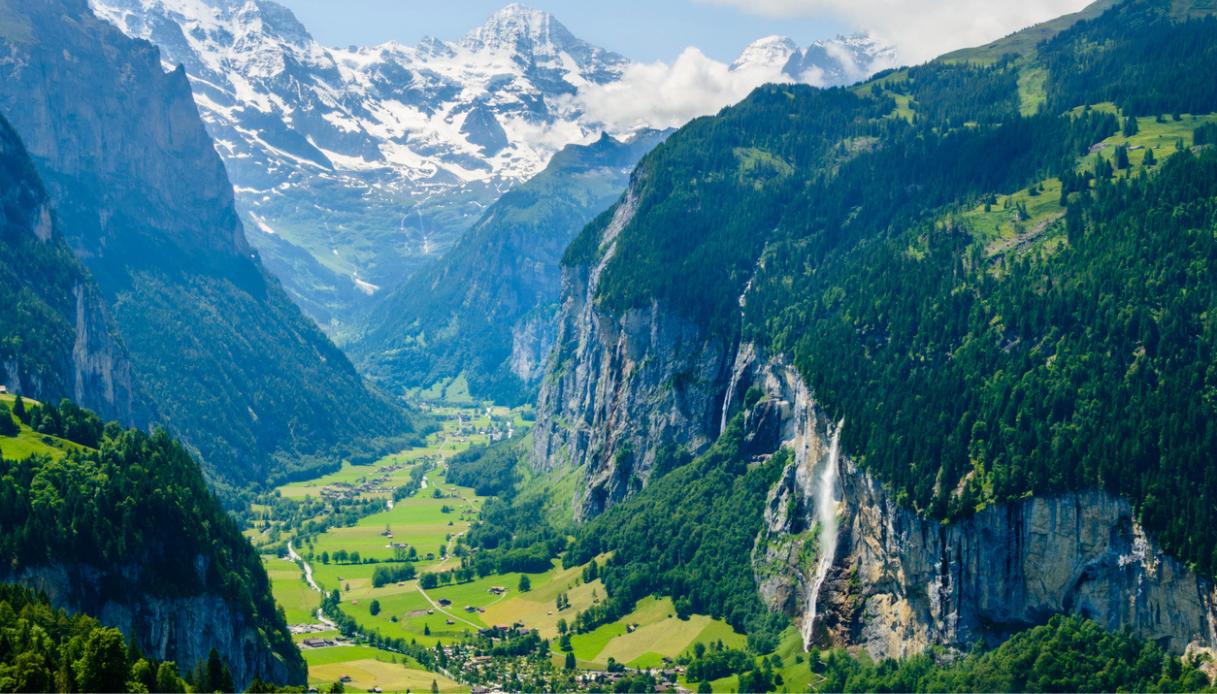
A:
x,y
345,491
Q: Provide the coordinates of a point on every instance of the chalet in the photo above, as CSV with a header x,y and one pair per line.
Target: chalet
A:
x,y
316,643
497,590
3,389
445,602
344,678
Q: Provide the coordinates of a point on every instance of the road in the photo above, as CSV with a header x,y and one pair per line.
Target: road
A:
x,y
446,613
308,578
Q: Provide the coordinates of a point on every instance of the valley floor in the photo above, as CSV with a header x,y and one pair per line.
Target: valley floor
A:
x,y
332,534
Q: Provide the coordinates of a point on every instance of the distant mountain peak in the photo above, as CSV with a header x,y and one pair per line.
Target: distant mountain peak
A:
x,y
771,51
517,26
843,59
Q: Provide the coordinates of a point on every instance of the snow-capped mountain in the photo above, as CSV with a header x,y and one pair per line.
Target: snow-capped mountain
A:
x,y
840,60
355,165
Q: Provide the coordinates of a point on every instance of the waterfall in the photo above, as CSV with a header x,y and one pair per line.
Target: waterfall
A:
x,y
824,493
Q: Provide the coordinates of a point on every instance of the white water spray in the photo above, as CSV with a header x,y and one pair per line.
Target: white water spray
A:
x,y
826,515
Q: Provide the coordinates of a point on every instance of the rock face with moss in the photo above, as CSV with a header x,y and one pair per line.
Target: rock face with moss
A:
x,y
124,528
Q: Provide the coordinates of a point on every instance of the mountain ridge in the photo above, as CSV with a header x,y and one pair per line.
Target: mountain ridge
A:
x,y
406,145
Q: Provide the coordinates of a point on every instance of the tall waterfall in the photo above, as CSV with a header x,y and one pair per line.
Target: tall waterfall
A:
x,y
824,493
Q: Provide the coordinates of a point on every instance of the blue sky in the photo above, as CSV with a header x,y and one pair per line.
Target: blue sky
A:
x,y
644,30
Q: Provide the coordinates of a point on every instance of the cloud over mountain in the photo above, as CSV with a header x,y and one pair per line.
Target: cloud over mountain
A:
x,y
921,29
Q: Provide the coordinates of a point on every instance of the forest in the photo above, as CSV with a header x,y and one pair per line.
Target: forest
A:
x,y
134,508
1076,360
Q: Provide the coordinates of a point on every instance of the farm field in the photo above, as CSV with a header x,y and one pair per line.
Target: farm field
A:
x,y
370,667
649,634
299,601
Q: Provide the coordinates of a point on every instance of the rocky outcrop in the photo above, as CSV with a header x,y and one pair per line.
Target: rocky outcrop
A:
x,y
620,388
182,628
62,341
898,583
531,340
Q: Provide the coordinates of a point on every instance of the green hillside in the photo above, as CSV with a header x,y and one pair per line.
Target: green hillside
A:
x,y
975,265
128,519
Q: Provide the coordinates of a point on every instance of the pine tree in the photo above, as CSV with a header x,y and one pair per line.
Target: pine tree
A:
x,y
1131,127
8,427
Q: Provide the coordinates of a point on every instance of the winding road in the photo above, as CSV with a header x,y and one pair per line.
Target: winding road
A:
x,y
308,578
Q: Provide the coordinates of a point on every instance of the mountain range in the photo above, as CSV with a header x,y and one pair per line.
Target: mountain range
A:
x,y
355,166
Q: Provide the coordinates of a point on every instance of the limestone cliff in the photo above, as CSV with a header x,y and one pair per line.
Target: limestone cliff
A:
x,y
897,583
619,388
183,628
58,338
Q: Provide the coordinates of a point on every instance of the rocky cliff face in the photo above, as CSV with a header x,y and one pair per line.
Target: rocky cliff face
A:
x,y
620,388
62,341
896,583
183,629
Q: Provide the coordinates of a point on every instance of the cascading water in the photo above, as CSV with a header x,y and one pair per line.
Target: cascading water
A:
x,y
824,493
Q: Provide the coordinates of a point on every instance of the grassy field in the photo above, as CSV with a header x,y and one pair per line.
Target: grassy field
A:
x,y
370,667
656,633
29,442
536,608
646,636
299,601
1030,217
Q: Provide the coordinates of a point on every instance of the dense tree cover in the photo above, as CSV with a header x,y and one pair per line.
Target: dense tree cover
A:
x,y
384,575
1080,363
1120,57
137,510
688,535
490,470
1069,654
67,421
1089,367
43,649
512,533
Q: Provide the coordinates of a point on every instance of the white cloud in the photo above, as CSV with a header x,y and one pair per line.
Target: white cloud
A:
x,y
921,29
659,95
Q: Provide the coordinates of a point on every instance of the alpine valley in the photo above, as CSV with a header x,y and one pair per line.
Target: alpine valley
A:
x,y
353,167
439,367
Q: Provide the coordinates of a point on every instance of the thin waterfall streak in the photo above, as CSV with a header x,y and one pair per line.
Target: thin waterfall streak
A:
x,y
826,516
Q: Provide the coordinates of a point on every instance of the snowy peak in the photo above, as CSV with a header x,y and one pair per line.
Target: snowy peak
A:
x,y
769,52
840,60
534,37
515,27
